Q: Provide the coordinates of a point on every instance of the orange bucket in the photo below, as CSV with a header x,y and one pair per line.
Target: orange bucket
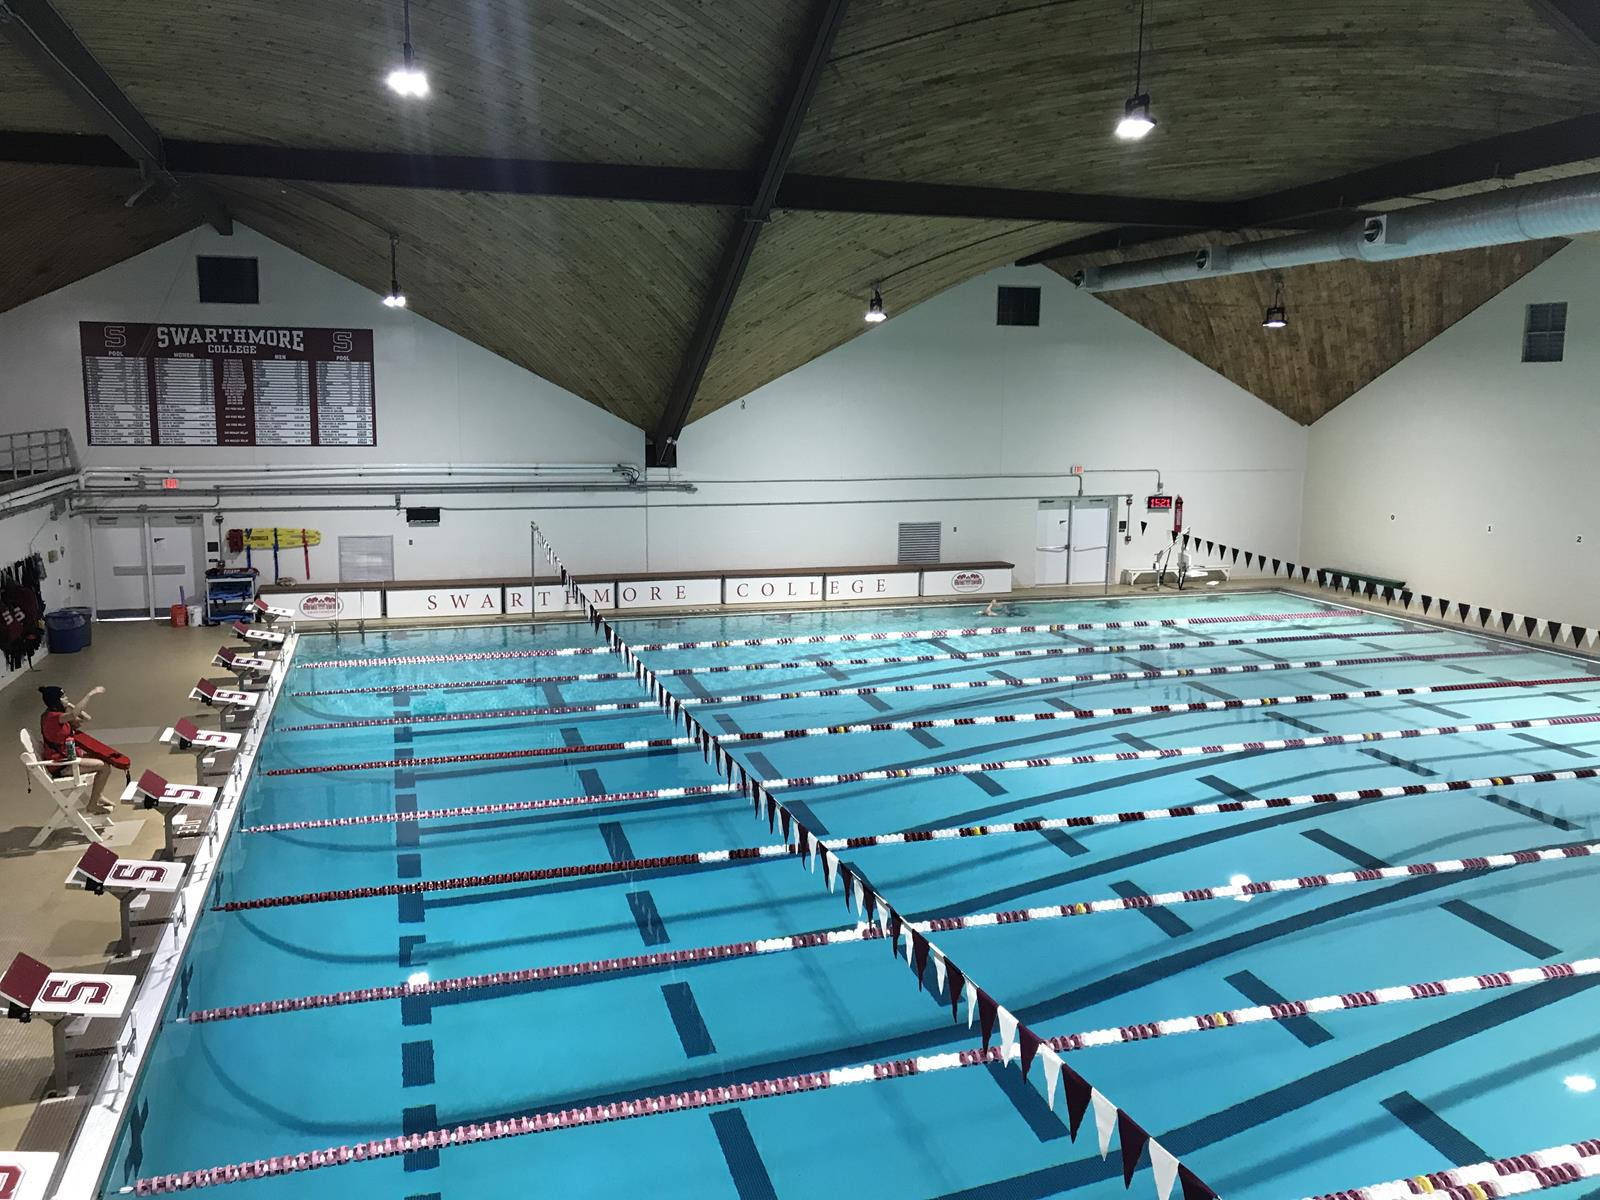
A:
x,y
180,614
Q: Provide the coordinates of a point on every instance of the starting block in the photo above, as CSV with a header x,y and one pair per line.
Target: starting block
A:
x,y
132,881
204,744
233,703
26,1174
271,614
250,668
71,1002
267,638
178,802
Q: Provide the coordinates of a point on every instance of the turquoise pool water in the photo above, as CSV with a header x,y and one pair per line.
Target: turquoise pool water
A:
x,y
1276,1110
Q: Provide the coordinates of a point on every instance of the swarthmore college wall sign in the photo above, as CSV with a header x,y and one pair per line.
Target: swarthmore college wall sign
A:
x,y
227,385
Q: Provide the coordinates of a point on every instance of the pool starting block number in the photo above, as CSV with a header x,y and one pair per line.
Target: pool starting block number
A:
x,y
30,988
102,870
272,612
26,1174
209,693
266,637
186,735
152,790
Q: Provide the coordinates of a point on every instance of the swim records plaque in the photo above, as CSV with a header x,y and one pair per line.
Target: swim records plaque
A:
x,y
227,385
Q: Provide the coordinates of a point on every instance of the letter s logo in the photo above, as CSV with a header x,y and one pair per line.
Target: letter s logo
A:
x,y
84,991
142,873
116,339
10,1180
343,343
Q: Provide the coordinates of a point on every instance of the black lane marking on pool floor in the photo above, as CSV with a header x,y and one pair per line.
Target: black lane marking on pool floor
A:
x,y
1462,909
1065,842
686,1018
1295,722
1231,790
416,1057
419,1119
1313,1088
927,739
1384,756
987,783
874,703
729,725
616,841
1434,1129
763,764
1545,744
1342,680
652,929
552,694
1452,713
750,1177
1164,919
416,1064
1258,991
1138,743
1030,1105
694,686
1214,692
1527,810
806,817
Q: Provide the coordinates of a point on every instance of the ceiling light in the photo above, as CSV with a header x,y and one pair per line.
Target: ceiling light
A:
x,y
1277,315
396,298
408,79
1136,120
875,311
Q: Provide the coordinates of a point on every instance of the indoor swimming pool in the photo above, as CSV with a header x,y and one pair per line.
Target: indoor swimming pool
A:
x,y
442,756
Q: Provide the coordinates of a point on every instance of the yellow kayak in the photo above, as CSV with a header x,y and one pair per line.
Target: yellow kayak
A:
x,y
288,539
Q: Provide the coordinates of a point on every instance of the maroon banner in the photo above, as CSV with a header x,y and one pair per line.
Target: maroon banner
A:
x,y
227,385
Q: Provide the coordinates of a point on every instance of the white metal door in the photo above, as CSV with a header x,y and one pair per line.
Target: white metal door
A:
x,y
1050,544
118,557
172,565
1088,553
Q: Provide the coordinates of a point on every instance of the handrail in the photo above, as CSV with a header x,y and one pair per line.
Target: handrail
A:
x,y
36,452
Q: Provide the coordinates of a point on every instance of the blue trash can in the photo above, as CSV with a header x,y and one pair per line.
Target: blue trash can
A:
x,y
88,622
67,630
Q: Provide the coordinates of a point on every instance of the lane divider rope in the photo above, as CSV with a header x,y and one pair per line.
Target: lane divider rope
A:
x,y
1203,809
884,689
1559,1164
1077,714
952,656
837,638
1516,1175
938,925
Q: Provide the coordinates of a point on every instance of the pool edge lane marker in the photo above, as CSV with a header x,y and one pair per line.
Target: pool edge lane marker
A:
x,y
917,635
1016,1039
878,1072
1514,1175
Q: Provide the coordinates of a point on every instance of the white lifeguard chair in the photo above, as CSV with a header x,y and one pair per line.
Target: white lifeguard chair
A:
x,y
68,791
186,808
232,704
135,883
71,1002
264,639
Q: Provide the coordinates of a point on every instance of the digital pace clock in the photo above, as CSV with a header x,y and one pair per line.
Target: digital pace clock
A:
x,y
1158,504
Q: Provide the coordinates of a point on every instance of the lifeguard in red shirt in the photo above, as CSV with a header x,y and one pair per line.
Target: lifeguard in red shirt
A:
x,y
58,728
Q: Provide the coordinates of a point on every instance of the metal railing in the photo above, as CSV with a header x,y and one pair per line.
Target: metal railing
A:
x,y
26,456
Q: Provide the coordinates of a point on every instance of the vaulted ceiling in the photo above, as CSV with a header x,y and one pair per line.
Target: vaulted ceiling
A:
x,y
663,204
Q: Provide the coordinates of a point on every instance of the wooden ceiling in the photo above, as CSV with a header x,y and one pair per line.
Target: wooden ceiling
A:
x,y
603,296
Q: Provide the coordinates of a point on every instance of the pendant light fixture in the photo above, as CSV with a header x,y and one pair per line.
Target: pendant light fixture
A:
x,y
408,79
875,311
396,298
1277,316
1136,120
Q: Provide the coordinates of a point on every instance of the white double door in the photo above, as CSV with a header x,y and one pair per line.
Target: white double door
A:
x,y
1072,541
141,567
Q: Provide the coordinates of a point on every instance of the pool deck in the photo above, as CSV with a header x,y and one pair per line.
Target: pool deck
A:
x,y
148,670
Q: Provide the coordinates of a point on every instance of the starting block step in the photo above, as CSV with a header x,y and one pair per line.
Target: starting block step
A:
x,y
210,694
101,869
264,637
150,790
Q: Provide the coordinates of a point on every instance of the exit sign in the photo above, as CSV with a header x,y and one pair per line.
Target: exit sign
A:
x,y
1158,503
169,484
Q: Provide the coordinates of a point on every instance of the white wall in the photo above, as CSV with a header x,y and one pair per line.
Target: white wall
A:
x,y
1468,472
937,391
942,390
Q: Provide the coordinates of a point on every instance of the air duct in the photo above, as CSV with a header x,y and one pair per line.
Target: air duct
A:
x,y
1562,208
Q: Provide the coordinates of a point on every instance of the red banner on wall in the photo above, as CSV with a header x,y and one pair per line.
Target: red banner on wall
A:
x,y
227,385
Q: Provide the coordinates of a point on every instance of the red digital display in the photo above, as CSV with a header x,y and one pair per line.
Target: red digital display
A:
x,y
1158,503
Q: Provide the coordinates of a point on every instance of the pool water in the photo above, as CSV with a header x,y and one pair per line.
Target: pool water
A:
x,y
1272,1110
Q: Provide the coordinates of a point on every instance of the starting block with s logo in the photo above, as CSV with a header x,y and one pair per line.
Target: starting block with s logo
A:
x,y
26,1174
176,801
271,614
70,1001
250,668
134,882
232,702
204,744
266,638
